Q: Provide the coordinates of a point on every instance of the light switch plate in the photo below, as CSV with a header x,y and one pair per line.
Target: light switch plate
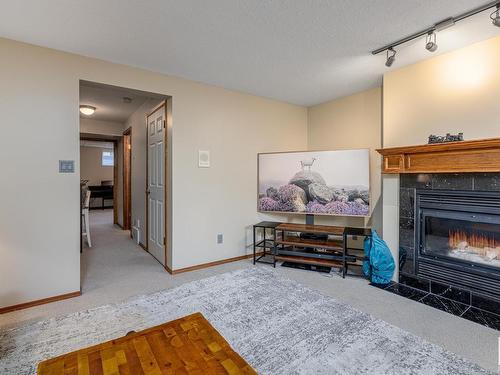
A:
x,y
66,166
203,159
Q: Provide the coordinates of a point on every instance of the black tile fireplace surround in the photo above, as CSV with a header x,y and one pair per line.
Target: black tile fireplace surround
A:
x,y
449,236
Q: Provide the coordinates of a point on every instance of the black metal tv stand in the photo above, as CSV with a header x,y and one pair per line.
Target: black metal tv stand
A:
x,y
332,247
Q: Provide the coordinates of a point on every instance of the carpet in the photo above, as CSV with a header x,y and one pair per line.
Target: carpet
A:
x,y
277,325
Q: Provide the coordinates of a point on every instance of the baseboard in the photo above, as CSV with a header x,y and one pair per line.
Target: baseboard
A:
x,y
119,225
143,246
211,264
43,301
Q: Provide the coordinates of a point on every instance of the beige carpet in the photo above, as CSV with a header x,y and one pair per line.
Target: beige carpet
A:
x,y
279,326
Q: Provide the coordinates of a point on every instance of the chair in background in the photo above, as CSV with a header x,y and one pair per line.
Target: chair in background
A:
x,y
85,217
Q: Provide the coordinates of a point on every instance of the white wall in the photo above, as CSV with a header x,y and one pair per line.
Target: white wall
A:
x,y
40,258
454,92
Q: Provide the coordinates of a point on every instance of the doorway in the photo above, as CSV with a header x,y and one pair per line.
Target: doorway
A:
x,y
120,115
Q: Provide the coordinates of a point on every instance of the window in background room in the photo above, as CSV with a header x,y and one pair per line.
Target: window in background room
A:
x,y
107,158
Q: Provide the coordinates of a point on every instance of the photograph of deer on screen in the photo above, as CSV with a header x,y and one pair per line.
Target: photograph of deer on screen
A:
x,y
315,182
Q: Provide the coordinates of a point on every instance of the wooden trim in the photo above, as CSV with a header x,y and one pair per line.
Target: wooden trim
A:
x,y
210,264
115,185
127,178
482,155
163,102
146,205
166,179
43,301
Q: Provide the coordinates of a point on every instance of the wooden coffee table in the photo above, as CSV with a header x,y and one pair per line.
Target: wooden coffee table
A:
x,y
189,345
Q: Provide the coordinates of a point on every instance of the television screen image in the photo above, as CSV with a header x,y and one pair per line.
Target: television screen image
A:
x,y
315,182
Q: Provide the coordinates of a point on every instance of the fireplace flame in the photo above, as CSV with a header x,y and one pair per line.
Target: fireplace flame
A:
x,y
480,244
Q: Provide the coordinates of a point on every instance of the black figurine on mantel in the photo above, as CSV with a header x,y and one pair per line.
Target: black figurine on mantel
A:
x,y
447,138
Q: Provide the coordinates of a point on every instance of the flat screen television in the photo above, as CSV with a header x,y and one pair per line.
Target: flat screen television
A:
x,y
315,182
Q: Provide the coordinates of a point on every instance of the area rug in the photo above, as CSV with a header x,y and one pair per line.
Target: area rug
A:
x,y
277,325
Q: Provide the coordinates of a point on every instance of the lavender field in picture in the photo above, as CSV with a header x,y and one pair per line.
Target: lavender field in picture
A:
x,y
317,182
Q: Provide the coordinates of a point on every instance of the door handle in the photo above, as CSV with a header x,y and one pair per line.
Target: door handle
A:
x,y
148,191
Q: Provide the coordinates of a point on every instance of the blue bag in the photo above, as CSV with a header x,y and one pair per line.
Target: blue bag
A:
x,y
379,266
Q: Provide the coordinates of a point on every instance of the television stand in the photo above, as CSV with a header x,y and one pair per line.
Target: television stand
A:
x,y
334,251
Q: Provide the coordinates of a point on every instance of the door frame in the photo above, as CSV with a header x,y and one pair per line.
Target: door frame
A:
x,y
103,138
127,179
166,126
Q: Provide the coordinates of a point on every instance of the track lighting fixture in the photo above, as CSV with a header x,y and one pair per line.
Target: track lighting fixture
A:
x,y
430,32
430,42
391,57
495,16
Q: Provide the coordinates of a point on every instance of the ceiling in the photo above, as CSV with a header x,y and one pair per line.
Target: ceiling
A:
x,y
109,102
300,51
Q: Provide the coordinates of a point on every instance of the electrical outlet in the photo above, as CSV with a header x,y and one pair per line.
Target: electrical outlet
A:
x,y
220,238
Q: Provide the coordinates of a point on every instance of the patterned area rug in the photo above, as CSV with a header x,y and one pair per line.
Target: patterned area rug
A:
x,y
276,324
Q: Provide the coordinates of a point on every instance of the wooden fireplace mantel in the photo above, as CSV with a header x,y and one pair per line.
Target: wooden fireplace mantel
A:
x,y
481,155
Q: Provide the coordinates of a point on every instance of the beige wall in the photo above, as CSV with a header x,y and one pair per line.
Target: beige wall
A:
x,y
91,126
91,167
41,258
351,122
455,92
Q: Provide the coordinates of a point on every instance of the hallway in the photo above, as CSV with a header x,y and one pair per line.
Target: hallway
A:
x,y
114,265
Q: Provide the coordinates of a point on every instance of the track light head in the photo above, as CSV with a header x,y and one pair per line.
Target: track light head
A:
x,y
391,57
495,16
430,42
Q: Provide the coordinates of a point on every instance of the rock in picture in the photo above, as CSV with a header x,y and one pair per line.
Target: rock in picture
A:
x,y
316,182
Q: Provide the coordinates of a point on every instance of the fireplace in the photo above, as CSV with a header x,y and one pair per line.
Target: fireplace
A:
x,y
458,239
449,220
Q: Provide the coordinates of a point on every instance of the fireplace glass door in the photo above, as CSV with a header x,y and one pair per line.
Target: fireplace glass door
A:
x,y
474,239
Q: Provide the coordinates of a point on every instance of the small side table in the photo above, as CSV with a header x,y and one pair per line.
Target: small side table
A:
x,y
265,243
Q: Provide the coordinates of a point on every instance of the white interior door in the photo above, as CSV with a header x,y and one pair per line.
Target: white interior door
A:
x,y
156,184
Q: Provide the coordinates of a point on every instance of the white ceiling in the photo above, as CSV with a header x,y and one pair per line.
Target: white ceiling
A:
x,y
109,103
300,51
